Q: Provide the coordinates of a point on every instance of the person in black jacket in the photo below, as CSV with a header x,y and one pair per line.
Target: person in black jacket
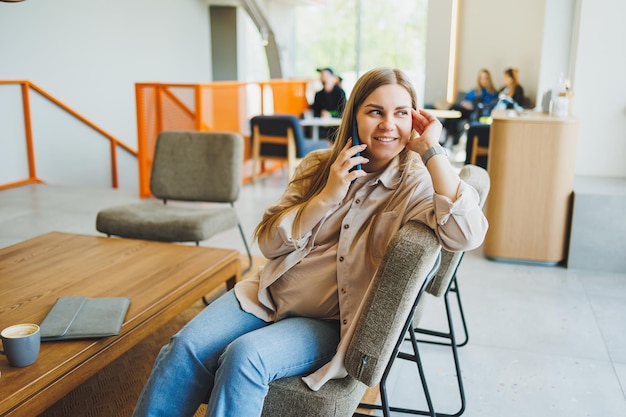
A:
x,y
329,101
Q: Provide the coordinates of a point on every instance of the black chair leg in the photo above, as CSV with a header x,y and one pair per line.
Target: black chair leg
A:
x,y
408,327
453,286
455,290
415,357
444,335
245,242
245,271
457,365
450,341
450,335
420,368
386,409
207,301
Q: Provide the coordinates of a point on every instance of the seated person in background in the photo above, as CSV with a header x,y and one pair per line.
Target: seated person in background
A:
x,y
511,96
472,107
329,101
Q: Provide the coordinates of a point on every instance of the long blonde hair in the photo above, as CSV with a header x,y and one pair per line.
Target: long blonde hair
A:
x,y
310,182
479,87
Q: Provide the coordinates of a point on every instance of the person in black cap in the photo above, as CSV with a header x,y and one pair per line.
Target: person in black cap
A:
x,y
329,101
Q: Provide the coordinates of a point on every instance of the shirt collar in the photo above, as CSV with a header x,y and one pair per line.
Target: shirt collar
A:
x,y
390,176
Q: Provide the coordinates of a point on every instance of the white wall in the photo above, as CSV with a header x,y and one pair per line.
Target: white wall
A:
x,y
437,50
557,45
497,35
599,85
89,55
281,16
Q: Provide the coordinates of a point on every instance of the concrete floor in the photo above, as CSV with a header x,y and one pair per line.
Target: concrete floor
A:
x,y
544,341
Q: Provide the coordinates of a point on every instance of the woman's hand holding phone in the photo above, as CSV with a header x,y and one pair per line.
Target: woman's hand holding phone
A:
x,y
343,173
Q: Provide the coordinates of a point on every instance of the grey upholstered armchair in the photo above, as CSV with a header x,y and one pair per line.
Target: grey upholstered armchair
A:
x,y
189,166
444,283
409,263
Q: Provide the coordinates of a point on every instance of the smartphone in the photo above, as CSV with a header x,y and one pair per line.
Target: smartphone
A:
x,y
355,141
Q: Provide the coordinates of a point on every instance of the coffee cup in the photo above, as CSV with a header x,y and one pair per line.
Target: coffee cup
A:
x,y
21,344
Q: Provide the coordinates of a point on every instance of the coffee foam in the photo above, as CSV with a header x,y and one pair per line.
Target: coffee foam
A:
x,y
20,330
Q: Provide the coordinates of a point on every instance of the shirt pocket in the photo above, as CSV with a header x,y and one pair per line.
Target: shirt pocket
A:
x,y
384,229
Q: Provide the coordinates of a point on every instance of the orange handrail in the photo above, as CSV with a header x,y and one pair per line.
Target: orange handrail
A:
x,y
29,132
32,175
216,106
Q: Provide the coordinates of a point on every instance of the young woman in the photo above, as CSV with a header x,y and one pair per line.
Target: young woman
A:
x,y
512,89
324,240
476,103
483,93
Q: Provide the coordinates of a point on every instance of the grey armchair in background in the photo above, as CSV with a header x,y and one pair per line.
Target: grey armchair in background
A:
x,y
189,166
410,261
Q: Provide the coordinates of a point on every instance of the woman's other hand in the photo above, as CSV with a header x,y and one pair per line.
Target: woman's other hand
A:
x,y
428,129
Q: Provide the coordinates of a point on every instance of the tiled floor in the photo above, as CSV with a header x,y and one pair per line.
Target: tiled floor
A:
x,y
544,341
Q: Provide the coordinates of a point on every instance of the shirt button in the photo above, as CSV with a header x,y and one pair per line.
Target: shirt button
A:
x,y
341,259
345,321
343,290
346,226
358,201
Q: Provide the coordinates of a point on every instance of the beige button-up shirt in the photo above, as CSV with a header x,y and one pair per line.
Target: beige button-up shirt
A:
x,y
325,272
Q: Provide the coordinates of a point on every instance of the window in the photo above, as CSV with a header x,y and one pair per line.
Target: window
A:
x,y
391,33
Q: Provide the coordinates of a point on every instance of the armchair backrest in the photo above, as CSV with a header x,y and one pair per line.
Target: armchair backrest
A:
x,y
197,166
409,262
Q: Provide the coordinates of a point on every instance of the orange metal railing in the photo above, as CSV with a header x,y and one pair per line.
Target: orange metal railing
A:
x,y
219,106
26,86
289,95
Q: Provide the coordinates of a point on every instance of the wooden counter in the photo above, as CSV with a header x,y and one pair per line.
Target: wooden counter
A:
x,y
531,166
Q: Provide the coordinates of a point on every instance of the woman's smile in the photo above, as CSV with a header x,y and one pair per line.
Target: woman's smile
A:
x,y
384,121
385,139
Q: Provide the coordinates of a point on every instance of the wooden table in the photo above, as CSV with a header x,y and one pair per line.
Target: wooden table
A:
x,y
444,114
162,280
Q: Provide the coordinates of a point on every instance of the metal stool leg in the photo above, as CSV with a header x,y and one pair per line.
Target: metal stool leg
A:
x,y
245,243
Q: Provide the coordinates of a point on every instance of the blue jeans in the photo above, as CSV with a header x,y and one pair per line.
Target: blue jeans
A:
x,y
230,357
